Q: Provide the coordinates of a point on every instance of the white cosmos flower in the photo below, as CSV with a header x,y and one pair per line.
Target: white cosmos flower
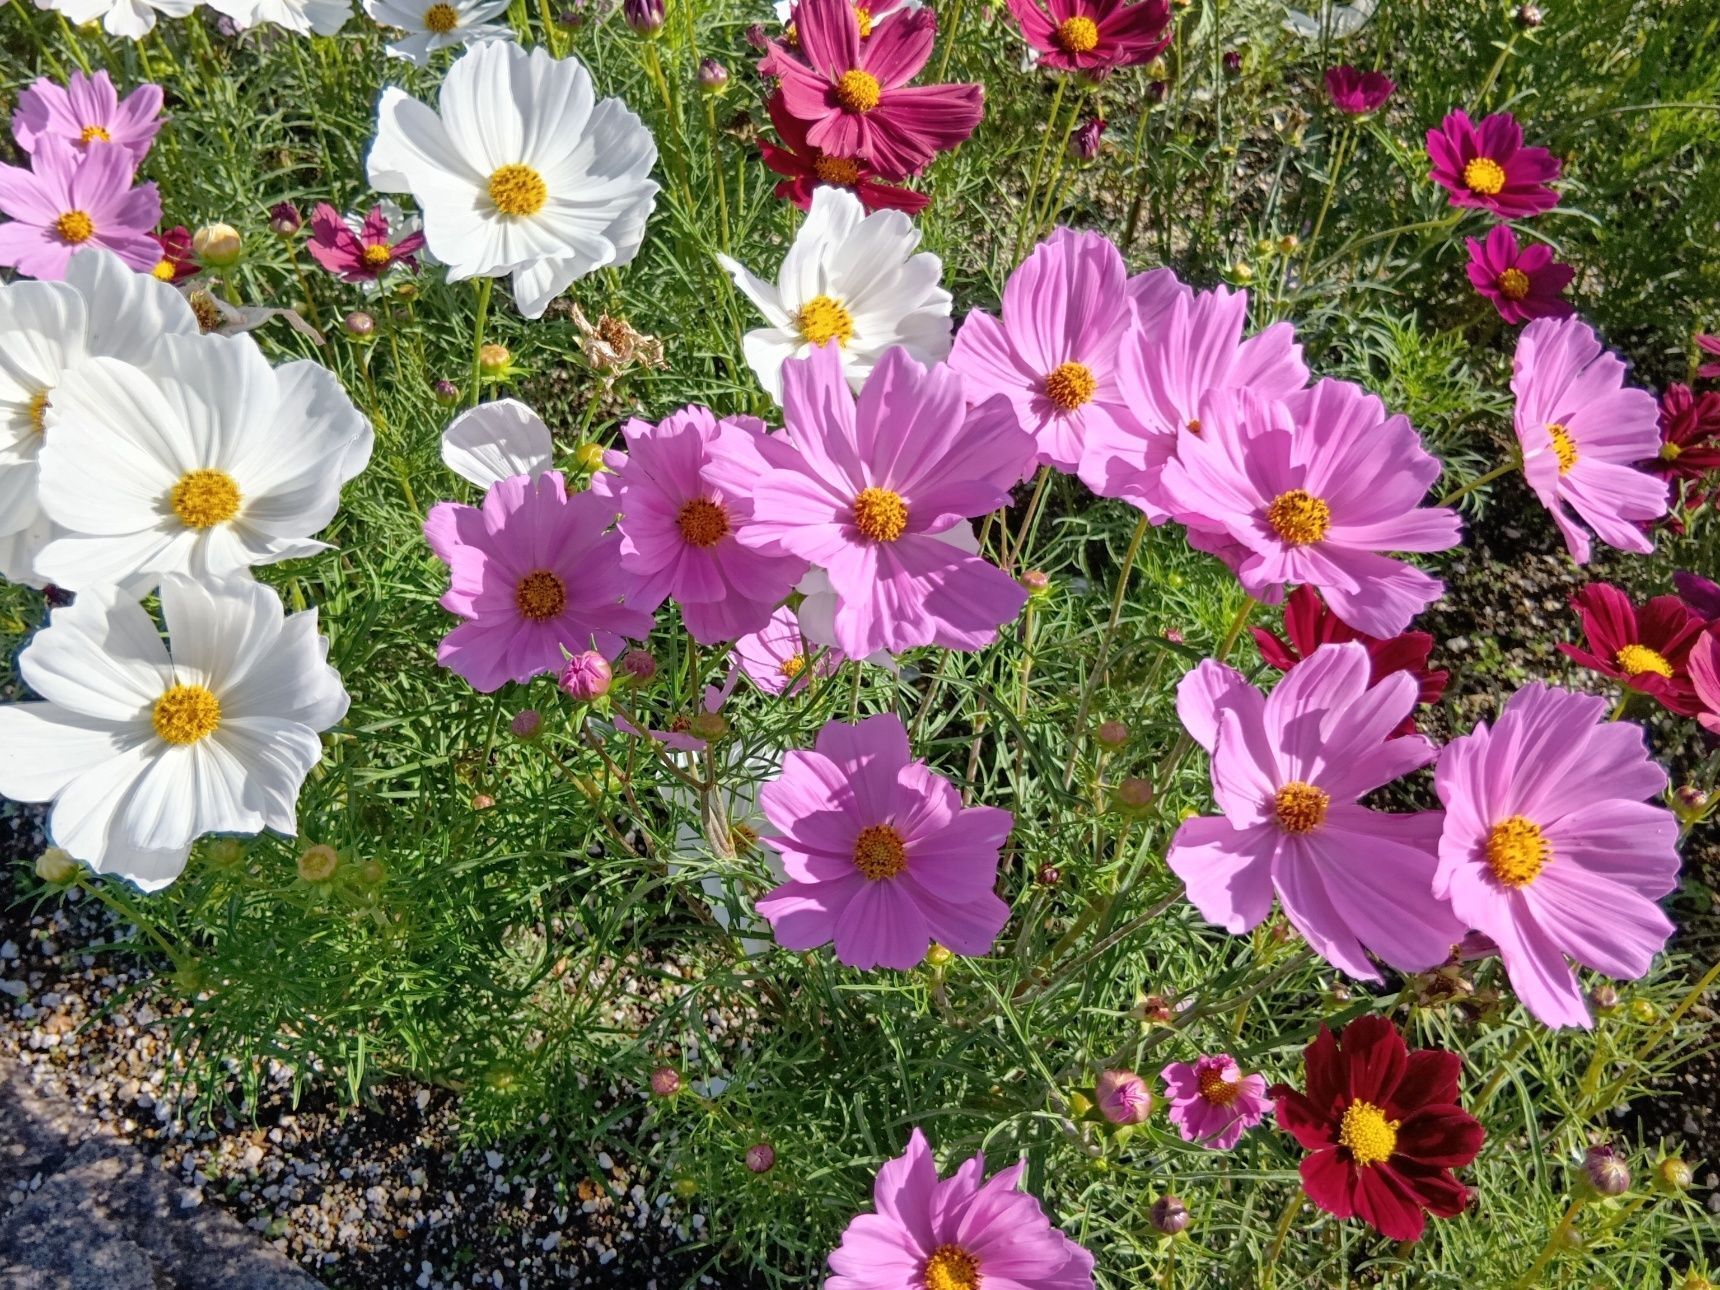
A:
x,y
427,26
519,169
133,19
201,460
46,329
851,276
323,17
1338,21
143,749
496,441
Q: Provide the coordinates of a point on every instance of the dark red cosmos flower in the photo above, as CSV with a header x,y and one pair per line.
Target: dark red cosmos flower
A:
x,y
1384,1128
178,261
804,168
1094,35
1309,624
1648,650
1689,434
363,256
1356,93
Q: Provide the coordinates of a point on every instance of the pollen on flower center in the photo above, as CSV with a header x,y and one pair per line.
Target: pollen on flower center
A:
x,y
879,853
208,312
75,227
1637,659
1077,35
823,318
540,596
1298,517
1670,452
842,171
1193,425
1517,851
1300,807
792,666
1484,175
703,522
863,16
163,271
1070,385
858,91
185,714
880,514
1513,283
1564,447
518,189
376,256
95,134
1215,1088
951,1268
39,411
204,498
1365,1130
441,19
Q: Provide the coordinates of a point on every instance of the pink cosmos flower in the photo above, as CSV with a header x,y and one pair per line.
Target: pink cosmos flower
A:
x,y
72,198
865,492
882,857
535,576
1701,594
1314,489
1213,1102
805,168
363,256
1486,166
1356,93
684,490
1522,282
1123,1097
1287,771
1183,346
1550,849
1094,35
779,659
954,1233
88,112
1705,677
1582,431
854,95
1708,345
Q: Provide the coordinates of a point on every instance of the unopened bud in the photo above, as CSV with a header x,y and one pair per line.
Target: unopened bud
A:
x,y
761,1158
713,76
1604,998
1112,734
707,725
1049,875
1529,15
285,219
643,16
1086,139
589,457
639,664
482,801
359,324
665,1082
494,360
757,37
224,853
1233,61
1123,1097
1037,582
1672,1174
1169,1215
1134,794
586,676
56,866
318,863
372,873
1288,244
1607,1172
527,724
686,1188
446,392
1242,271
218,244
939,955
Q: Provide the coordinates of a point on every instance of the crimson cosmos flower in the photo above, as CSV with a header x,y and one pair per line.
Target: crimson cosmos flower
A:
x,y
1356,93
364,256
1484,165
1384,1128
1094,35
1689,434
1708,345
1523,282
1648,649
178,261
805,167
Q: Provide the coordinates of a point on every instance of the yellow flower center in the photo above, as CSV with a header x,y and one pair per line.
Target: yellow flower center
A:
x,y
318,863
75,227
1513,283
858,91
1077,35
185,714
540,596
1670,452
880,514
1217,1090
1299,807
95,134
951,1268
376,256
1637,659
879,853
842,171
163,271
703,522
792,666
863,16
1070,385
204,498
39,411
1564,447
1484,175
1365,1130
518,190
441,19
822,318
1517,851
1298,517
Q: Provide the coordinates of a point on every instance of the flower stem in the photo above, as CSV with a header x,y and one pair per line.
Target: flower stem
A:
x,y
717,170
1472,485
950,37
1340,155
1554,1239
1095,673
1031,202
1282,1231
485,286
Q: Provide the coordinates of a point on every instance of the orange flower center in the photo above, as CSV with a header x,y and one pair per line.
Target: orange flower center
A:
x,y
1484,175
792,666
1070,385
1216,1089
824,318
879,853
951,1268
376,256
1517,851
1298,517
863,16
185,714
843,171
441,19
75,227
1513,283
880,514
95,134
1365,1130
858,91
38,411
1299,807
518,189
540,596
1077,35
204,498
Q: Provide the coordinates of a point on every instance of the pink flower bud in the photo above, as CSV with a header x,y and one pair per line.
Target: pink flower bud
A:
x,y
1607,1171
761,1157
1123,1097
527,724
586,676
1112,734
665,1082
639,664
1169,1215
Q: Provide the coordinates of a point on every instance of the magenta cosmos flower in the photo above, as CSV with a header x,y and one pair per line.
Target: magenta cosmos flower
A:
x,y
805,168
864,491
955,1233
882,857
1287,772
1314,489
1356,93
71,199
1182,346
1647,649
1487,167
684,490
779,659
1705,678
854,94
1550,849
88,112
363,256
1213,1102
1582,431
1094,35
537,578
1522,282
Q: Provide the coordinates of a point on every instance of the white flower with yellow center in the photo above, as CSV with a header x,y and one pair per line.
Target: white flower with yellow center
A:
x,y
849,277
201,459
133,19
321,17
519,169
428,25
143,748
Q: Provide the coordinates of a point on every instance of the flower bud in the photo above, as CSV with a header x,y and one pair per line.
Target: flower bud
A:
x,y
939,955
1288,244
1643,1010
1049,875
665,1082
713,76
482,801
707,725
1158,69
1607,1172
318,863
589,457
1265,248
359,324
446,392
1123,1097
494,360
1604,998
218,244
1672,1174
56,866
1084,139
1169,1215
686,1188
224,853
1242,271
644,16
372,873
1153,1008
761,1158
527,724
757,37
1528,15
1156,91
586,676
1233,61
285,219
1134,794
1112,734
639,664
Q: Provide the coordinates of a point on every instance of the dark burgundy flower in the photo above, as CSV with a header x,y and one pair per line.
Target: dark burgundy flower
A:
x,y
1356,93
178,261
1094,35
363,256
1384,1128
1709,345
1647,650
1689,434
1523,282
1702,595
804,168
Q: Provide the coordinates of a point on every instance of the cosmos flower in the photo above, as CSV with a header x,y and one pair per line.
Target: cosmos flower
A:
x,y
804,168
779,659
851,278
363,256
496,441
425,28
88,112
1212,1102
882,858
1357,93
1487,167
1384,1128
868,16
133,19
178,259
303,17
955,1233
519,170
1582,431
1334,21
1648,649
142,748
1550,849
74,198
1701,594
1689,434
1094,35
1705,680
1708,345
1522,282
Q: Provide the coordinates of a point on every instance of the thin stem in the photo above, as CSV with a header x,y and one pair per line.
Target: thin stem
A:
x,y
950,38
1496,473
717,169
1140,185
1555,1239
1493,72
1096,672
1340,155
1031,201
1029,521
1291,1209
485,286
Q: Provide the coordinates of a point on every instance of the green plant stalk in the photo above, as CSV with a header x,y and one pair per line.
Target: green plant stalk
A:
x,y
1497,472
485,286
1031,200
1340,155
1554,1239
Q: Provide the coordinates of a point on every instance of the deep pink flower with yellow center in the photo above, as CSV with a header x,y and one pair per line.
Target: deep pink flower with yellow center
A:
x,y
1708,345
178,256
363,256
805,168
1357,93
1212,1102
87,112
1523,282
1549,848
1485,166
1689,434
71,199
1647,649
1094,35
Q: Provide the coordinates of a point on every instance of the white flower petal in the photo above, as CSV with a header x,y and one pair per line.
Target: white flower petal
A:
x,y
496,441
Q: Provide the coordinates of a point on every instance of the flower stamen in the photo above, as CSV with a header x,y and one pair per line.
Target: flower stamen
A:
x,y
1365,1130
376,256
703,522
1299,807
185,714
1077,35
880,514
204,498
1070,385
1215,1089
441,19
879,852
1298,517
1637,659
1484,175
75,227
38,411
844,172
540,596
95,134
518,190
824,318
1564,447
1517,851
858,91
1513,283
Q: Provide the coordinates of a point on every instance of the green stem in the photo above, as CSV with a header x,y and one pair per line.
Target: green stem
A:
x,y
1140,196
1555,1239
1496,473
1493,72
485,286
1340,155
1282,1231
717,170
1096,672
950,38
1032,199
